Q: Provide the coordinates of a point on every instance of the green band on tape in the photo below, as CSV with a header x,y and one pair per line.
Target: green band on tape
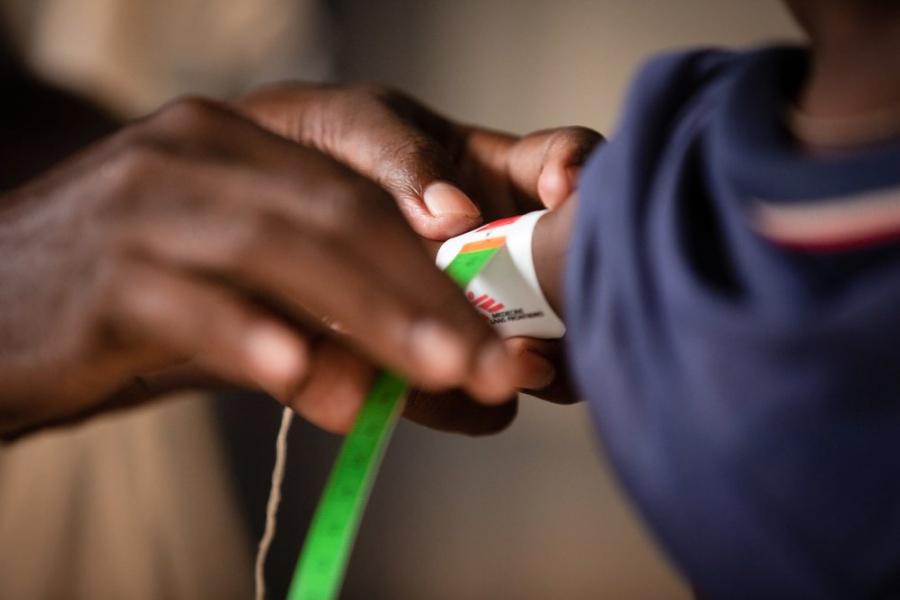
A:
x,y
326,551
467,265
327,548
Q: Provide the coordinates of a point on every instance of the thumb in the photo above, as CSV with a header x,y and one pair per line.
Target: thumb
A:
x,y
415,169
375,132
422,181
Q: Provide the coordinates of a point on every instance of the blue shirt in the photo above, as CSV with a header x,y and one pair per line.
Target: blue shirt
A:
x,y
734,315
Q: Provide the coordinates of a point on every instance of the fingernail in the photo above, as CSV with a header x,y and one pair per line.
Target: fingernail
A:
x,y
554,186
439,350
534,371
496,370
444,200
274,355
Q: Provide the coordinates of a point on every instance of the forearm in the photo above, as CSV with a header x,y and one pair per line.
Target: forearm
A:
x,y
550,246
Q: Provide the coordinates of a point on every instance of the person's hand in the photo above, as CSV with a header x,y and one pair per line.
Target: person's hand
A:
x,y
537,360
195,243
446,178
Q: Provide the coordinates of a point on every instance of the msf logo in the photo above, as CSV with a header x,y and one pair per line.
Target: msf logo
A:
x,y
485,303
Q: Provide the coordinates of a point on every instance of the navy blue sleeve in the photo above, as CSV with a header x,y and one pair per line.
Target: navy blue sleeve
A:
x,y
733,314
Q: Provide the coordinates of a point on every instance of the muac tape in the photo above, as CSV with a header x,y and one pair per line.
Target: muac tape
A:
x,y
507,289
494,265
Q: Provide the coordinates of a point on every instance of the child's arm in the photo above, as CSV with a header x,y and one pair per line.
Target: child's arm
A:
x,y
550,247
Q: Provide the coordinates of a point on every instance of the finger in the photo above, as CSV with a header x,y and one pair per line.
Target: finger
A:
x,y
542,369
422,327
534,371
334,389
456,412
484,163
193,320
491,374
347,254
544,165
384,136
339,381
413,168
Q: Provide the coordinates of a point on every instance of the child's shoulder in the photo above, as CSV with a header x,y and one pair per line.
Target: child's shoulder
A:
x,y
689,70
692,62
666,83
673,87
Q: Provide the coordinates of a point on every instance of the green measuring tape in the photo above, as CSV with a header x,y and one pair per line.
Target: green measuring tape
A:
x,y
326,552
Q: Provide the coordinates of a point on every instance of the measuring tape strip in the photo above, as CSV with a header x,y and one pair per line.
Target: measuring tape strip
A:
x,y
326,551
323,561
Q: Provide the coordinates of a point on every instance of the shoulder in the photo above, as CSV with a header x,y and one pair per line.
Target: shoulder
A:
x,y
682,72
667,90
685,68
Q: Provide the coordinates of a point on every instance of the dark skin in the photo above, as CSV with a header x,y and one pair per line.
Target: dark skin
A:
x,y
173,261
205,246
413,152
855,49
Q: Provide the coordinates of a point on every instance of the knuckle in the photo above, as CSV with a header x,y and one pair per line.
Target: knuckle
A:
x,y
578,132
372,90
284,86
356,99
574,138
352,209
125,179
410,161
416,149
266,226
189,115
137,161
251,236
377,98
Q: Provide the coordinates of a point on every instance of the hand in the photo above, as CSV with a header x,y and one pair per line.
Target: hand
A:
x,y
541,365
195,244
446,178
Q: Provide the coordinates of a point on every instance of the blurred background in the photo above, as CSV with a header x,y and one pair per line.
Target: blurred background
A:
x,y
167,502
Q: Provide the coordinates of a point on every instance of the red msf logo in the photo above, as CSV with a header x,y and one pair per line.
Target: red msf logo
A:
x,y
485,303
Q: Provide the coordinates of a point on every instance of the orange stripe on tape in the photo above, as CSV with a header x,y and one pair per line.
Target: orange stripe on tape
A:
x,y
487,244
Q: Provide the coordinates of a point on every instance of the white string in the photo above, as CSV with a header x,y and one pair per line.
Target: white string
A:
x,y
272,504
